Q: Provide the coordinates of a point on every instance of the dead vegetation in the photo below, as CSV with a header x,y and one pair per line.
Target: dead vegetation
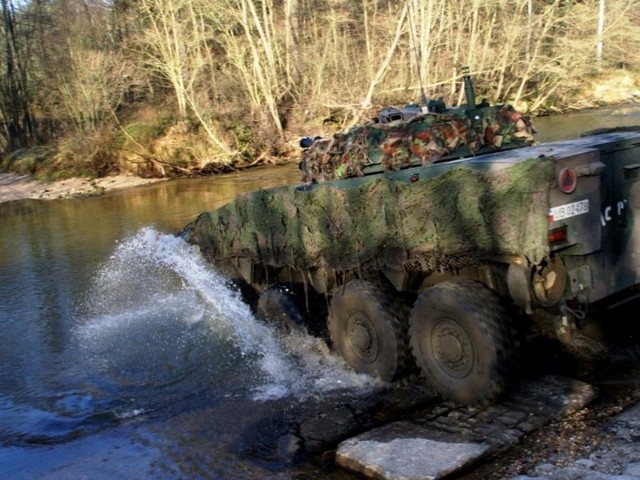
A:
x,y
190,87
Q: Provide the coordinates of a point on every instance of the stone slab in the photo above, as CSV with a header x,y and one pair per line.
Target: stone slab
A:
x,y
408,458
446,438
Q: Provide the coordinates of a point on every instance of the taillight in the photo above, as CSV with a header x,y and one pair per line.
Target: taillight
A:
x,y
557,235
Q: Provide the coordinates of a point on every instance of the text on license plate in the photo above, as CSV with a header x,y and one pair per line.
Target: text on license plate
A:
x,y
569,210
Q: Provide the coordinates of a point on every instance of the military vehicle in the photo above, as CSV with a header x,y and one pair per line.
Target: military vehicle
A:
x,y
432,241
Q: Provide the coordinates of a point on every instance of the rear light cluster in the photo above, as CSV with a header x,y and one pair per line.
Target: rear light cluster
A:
x,y
567,182
558,235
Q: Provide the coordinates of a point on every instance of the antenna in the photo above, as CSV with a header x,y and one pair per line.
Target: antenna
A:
x,y
468,87
418,63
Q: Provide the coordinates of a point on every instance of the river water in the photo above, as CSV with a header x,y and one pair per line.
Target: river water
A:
x,y
124,354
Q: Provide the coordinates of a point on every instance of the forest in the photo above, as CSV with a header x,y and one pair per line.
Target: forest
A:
x,y
193,87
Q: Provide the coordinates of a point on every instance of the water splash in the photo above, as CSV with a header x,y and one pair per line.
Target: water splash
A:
x,y
158,315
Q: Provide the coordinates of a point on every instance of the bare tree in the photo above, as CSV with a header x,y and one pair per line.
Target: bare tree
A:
x,y
384,64
16,119
261,42
92,87
600,34
175,46
278,68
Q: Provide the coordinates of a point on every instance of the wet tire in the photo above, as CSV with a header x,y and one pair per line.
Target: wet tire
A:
x,y
368,328
247,294
279,306
463,342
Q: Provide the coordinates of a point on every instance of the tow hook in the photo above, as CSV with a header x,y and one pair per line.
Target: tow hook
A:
x,y
577,343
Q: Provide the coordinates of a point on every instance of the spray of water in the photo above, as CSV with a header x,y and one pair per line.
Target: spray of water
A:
x,y
157,312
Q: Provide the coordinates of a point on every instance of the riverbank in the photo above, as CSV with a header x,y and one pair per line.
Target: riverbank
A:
x,y
24,187
15,186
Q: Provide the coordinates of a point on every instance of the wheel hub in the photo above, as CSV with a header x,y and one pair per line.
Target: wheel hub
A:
x,y
362,338
452,348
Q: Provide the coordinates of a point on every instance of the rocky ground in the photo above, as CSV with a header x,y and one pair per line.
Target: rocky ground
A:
x,y
444,439
550,428
22,187
568,420
615,454
598,442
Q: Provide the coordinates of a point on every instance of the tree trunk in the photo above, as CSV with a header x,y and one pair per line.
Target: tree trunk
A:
x,y
600,42
17,123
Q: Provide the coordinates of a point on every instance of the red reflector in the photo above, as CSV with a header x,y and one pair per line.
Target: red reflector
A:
x,y
559,235
567,180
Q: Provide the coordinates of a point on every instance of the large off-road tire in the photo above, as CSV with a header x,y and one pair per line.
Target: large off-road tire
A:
x,y
279,306
368,328
463,342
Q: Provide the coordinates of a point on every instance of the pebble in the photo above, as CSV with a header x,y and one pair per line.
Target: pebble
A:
x,y
616,459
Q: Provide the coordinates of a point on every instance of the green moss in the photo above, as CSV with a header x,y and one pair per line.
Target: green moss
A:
x,y
144,131
28,160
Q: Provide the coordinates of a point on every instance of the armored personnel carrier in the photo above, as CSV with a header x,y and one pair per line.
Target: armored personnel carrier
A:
x,y
431,240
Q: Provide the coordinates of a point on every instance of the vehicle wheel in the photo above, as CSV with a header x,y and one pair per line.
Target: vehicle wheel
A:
x,y
463,342
368,328
247,293
278,306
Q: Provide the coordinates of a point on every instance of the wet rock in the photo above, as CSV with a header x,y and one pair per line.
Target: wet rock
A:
x,y
585,463
318,424
632,469
322,424
289,446
328,426
407,458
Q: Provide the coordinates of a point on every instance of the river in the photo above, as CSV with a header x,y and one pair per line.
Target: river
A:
x,y
124,354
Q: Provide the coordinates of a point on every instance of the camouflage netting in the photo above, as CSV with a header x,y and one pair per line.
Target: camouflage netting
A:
x,y
455,219
422,140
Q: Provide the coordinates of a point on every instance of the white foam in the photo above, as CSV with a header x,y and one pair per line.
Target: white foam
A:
x,y
161,281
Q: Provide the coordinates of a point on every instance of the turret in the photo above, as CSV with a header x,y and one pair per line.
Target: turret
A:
x,y
416,135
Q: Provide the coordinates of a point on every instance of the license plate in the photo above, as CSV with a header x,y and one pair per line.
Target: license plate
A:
x,y
569,210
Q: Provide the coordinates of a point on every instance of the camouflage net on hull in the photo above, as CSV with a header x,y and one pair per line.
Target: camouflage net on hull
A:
x,y
420,141
448,221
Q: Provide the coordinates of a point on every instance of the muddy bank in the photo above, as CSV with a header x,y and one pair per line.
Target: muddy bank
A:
x,y
23,187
